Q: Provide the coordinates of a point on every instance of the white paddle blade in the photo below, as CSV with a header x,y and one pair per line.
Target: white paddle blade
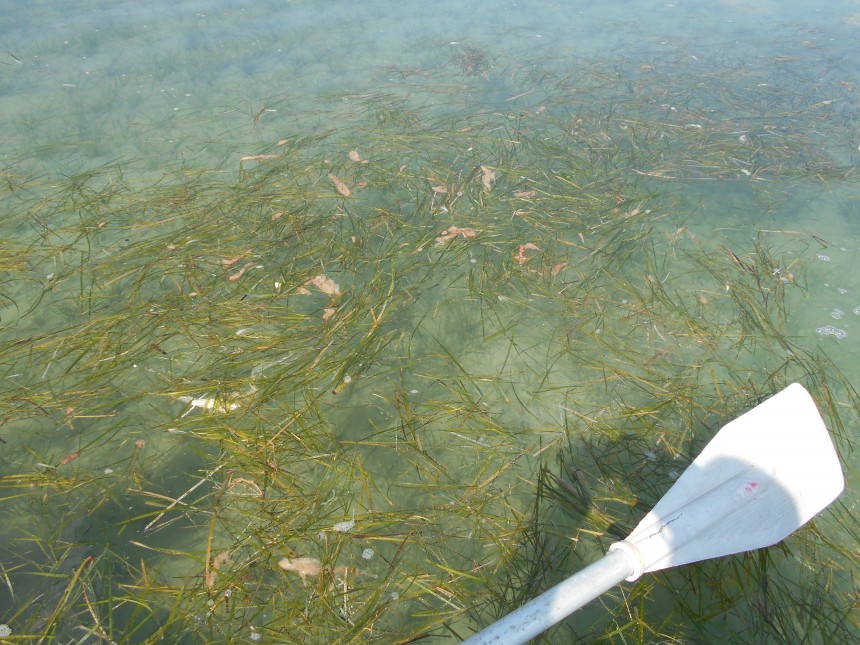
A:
x,y
759,479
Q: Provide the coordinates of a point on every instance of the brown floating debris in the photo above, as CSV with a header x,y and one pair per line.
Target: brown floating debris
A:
x,y
488,178
455,231
312,567
521,257
354,156
244,486
303,566
240,272
231,261
325,284
69,458
558,268
341,187
257,157
217,562
328,312
743,265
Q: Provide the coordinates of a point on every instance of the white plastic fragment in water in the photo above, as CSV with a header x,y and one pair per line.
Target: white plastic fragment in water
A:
x,y
5,630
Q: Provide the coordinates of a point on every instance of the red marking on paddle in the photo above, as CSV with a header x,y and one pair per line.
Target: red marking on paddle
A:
x,y
750,488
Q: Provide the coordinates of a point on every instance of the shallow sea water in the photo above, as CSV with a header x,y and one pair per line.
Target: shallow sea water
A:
x,y
175,411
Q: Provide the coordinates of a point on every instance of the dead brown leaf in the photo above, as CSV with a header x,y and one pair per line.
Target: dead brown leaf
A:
x,y
328,312
488,178
325,284
240,272
455,231
354,156
341,187
558,268
312,567
244,486
521,257
231,261
217,562
303,566
525,194
69,458
257,157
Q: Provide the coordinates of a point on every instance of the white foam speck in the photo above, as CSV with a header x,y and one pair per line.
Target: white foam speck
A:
x,y
344,527
836,314
830,330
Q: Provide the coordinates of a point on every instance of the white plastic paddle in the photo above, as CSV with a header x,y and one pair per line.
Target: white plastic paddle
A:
x,y
762,476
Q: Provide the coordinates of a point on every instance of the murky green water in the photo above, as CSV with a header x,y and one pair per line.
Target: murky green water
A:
x,y
440,299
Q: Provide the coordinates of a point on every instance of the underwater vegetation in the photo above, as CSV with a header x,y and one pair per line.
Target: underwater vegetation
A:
x,y
386,379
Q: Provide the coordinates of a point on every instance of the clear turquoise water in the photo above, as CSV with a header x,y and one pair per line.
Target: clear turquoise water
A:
x,y
168,89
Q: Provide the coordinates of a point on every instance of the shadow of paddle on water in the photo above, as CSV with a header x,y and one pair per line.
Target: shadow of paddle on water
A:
x,y
758,480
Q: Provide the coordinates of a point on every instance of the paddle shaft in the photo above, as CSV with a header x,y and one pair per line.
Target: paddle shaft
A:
x,y
555,604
